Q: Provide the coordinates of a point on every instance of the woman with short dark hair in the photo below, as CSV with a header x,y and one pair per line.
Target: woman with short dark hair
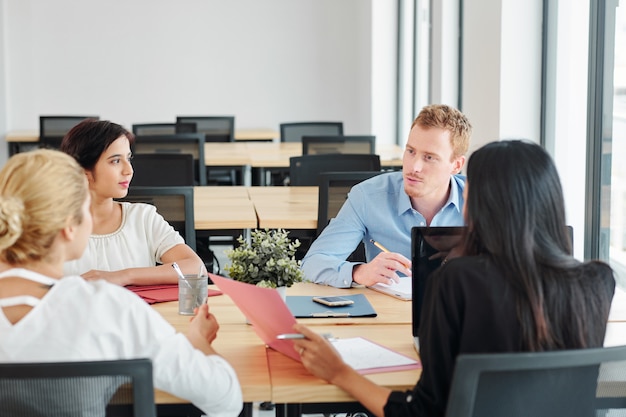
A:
x,y
129,239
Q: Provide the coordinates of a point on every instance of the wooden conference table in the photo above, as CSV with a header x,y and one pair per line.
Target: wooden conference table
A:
x,y
239,207
266,375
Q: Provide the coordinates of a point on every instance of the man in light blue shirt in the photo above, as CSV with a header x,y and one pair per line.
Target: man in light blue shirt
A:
x,y
428,192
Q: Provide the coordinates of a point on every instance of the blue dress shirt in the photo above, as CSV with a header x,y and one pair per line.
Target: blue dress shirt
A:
x,y
378,209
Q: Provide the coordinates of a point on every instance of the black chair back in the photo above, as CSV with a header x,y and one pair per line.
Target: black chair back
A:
x,y
293,132
305,169
314,145
53,128
187,143
333,192
214,128
557,383
175,204
99,388
163,169
154,129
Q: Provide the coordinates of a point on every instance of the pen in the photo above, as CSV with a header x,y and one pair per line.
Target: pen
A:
x,y
180,273
286,336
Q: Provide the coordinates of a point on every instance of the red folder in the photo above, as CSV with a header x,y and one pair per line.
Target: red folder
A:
x,y
161,293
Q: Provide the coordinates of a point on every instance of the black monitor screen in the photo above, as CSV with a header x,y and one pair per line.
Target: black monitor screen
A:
x,y
429,246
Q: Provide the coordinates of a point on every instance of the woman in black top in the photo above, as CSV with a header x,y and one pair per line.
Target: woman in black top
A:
x,y
516,287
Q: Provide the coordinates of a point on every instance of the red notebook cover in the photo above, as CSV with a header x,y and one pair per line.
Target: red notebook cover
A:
x,y
161,293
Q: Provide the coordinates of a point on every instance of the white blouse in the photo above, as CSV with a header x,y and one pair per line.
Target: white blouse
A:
x,y
141,240
80,320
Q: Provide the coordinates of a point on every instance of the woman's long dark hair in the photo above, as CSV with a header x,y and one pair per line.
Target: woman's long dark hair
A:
x,y
516,216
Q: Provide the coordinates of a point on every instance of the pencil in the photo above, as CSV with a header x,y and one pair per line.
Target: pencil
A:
x,y
379,246
384,249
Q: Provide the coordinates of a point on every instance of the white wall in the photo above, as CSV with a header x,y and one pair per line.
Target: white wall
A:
x,y
383,106
149,60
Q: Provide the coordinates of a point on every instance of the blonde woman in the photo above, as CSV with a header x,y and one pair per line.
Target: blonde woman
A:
x,y
46,316
128,240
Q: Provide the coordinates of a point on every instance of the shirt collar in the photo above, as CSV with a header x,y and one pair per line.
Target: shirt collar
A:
x,y
455,198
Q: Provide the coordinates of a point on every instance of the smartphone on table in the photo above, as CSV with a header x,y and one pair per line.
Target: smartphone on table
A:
x,y
333,301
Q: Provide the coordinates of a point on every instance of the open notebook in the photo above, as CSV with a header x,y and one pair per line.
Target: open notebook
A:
x,y
402,290
269,315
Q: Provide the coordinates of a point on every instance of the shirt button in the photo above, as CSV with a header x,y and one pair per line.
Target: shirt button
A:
x,y
422,223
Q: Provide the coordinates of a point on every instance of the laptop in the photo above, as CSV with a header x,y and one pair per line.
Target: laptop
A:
x,y
427,246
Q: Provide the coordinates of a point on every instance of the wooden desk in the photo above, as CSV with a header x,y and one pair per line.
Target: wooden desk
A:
x,y
291,383
285,207
265,374
223,208
238,344
238,207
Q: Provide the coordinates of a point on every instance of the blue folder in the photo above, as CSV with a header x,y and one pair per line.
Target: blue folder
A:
x,y
303,306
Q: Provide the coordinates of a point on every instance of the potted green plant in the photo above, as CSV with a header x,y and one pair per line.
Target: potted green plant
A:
x,y
267,261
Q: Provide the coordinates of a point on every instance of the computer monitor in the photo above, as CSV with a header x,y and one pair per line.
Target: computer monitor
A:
x,y
429,247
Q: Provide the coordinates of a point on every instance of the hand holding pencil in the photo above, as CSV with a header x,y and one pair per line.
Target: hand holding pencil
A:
x,y
383,268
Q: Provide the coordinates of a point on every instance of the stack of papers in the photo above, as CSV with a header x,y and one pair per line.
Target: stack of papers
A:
x,y
367,357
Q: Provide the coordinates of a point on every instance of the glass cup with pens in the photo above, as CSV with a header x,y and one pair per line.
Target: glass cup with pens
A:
x,y
192,290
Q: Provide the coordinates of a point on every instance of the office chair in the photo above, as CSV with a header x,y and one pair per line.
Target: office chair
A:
x,y
100,388
540,384
53,128
305,169
314,145
189,143
214,129
333,191
154,129
293,132
163,169
175,204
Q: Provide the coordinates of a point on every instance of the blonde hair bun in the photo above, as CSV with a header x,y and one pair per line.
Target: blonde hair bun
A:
x,y
11,220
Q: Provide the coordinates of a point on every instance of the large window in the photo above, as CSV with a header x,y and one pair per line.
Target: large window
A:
x,y
613,191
